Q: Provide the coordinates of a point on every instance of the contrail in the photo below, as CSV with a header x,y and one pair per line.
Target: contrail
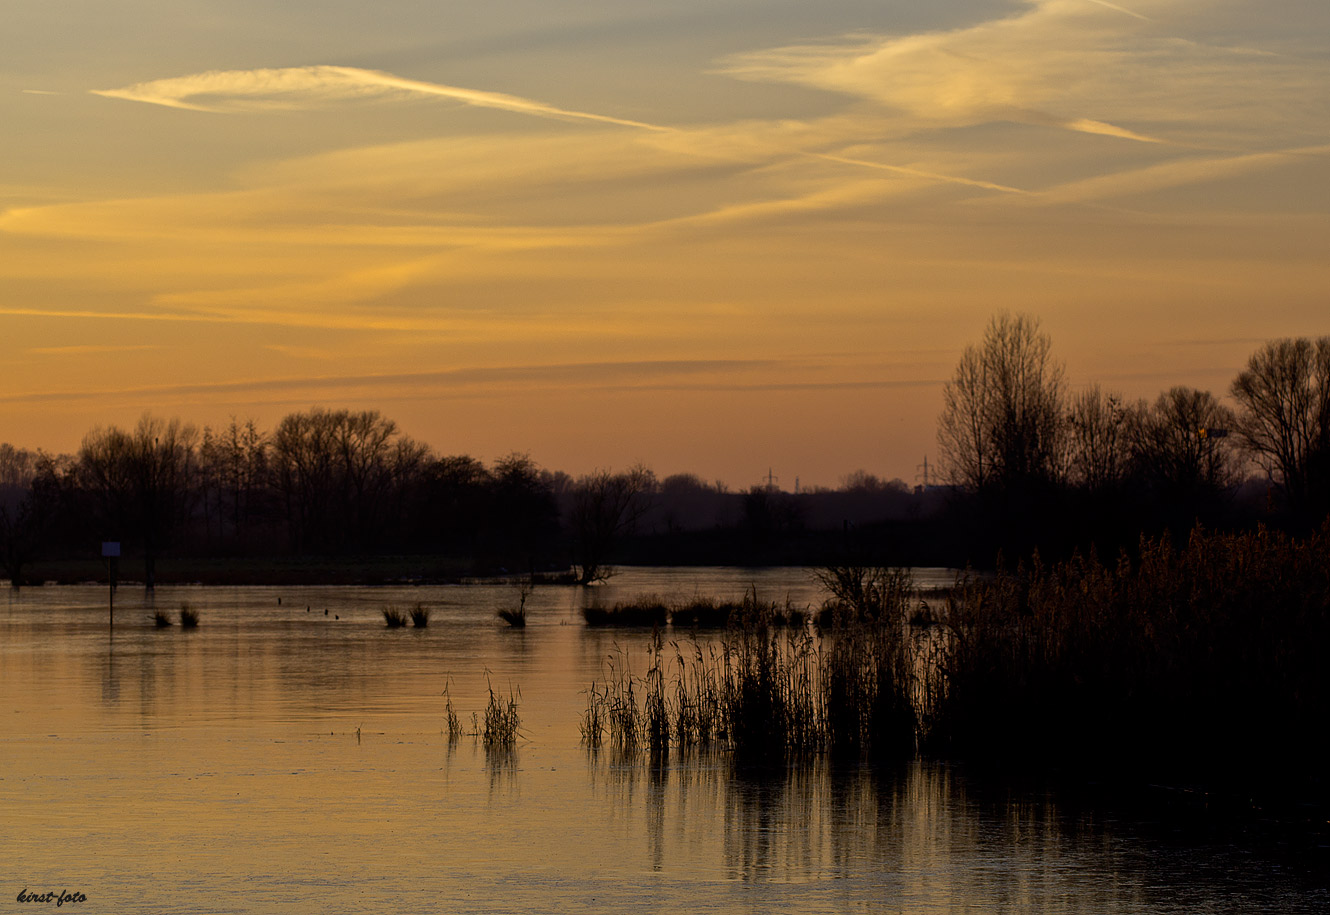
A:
x,y
264,89
1121,9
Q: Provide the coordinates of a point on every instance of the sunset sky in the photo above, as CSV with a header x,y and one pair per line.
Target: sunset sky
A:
x,y
710,236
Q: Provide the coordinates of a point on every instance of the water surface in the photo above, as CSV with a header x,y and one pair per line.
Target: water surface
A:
x,y
289,755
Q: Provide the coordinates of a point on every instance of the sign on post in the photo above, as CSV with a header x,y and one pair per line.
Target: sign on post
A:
x,y
110,552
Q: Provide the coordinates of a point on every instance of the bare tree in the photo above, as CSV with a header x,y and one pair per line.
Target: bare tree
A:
x,y
606,506
1180,443
235,472
342,475
1097,428
142,480
1001,424
1284,416
29,493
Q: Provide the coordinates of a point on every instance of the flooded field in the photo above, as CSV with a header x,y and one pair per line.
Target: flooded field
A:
x,y
290,754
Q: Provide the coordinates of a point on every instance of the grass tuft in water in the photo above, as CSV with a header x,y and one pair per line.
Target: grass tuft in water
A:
x,y
454,723
160,619
189,617
420,616
502,721
394,618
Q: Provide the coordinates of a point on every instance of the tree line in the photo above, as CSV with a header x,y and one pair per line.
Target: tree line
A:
x,y
1035,465
1028,465
340,483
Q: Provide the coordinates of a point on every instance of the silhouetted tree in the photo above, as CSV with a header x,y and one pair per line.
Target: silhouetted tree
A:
x,y
29,498
523,517
1181,452
606,506
234,468
1284,418
141,481
1097,439
342,475
1001,424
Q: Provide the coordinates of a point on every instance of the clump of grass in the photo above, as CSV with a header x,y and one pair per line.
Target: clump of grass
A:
x,y
454,723
645,611
593,722
160,619
501,721
394,618
420,616
704,613
189,617
516,616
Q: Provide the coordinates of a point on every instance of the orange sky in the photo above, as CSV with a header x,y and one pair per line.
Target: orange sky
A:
x,y
715,238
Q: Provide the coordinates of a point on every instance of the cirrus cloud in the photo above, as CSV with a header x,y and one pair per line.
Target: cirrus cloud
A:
x,y
290,88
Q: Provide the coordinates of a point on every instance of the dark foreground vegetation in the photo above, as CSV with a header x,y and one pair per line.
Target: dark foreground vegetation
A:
x,y
1204,664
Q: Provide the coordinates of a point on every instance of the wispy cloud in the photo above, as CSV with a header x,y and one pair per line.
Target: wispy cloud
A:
x,y
89,349
1089,67
1121,9
1175,173
595,374
318,86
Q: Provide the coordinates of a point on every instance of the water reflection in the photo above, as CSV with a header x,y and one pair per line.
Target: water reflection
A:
x,y
237,743
920,837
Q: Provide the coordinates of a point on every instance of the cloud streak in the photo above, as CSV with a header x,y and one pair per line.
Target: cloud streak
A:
x,y
1087,67
594,374
290,88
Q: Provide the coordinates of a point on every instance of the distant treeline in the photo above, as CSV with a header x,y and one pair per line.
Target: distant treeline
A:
x,y
1026,464
338,483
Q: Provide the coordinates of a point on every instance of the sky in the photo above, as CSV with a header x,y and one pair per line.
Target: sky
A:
x,y
724,237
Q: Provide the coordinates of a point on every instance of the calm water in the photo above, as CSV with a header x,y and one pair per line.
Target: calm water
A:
x,y
284,759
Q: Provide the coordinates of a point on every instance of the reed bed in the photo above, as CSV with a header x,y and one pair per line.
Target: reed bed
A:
x,y
643,612
1207,660
767,690
1201,663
